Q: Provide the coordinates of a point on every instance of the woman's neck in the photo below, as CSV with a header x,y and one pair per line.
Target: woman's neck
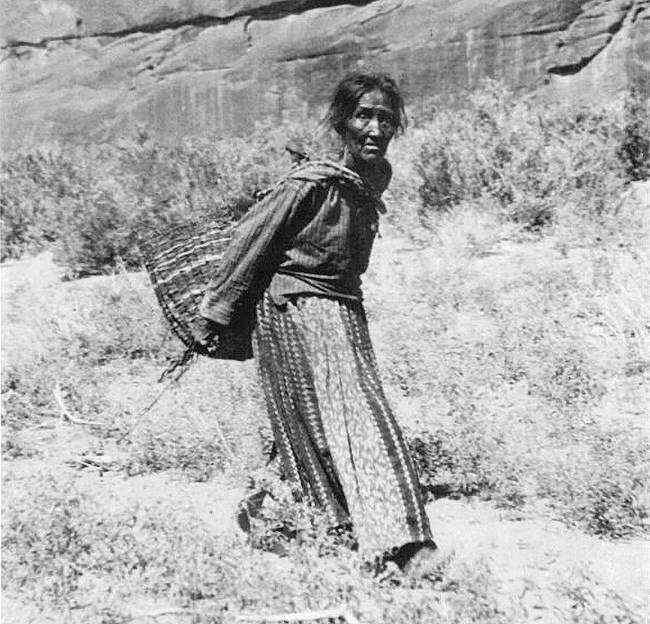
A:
x,y
376,175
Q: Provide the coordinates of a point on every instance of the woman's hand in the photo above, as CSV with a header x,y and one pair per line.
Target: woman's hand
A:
x,y
205,331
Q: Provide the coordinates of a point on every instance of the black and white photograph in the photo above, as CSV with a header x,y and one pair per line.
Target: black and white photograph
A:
x,y
322,312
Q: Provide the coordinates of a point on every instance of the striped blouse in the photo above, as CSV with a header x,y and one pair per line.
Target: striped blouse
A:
x,y
313,233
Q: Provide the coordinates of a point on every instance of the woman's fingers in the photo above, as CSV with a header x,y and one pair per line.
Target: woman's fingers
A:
x,y
205,331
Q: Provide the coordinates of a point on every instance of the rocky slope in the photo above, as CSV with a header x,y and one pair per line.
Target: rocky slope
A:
x,y
96,68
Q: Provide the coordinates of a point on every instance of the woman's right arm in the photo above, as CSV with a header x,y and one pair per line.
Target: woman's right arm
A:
x,y
253,251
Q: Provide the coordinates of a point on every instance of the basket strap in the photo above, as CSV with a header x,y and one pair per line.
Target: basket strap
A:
x,y
183,362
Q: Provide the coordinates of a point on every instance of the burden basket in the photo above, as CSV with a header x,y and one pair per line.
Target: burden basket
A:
x,y
180,262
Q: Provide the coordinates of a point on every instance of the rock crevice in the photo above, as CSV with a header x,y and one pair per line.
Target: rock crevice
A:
x,y
611,25
97,68
274,11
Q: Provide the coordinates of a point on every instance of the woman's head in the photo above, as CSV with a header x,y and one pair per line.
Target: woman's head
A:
x,y
367,110
352,88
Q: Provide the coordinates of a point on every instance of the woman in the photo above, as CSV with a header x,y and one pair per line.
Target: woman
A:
x,y
299,254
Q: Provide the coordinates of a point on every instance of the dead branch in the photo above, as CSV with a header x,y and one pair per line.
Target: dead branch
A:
x,y
299,617
39,426
104,463
162,613
65,412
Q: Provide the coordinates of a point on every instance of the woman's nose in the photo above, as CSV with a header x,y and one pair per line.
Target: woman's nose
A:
x,y
374,127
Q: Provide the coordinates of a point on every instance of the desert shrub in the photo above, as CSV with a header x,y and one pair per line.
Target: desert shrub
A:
x,y
534,161
197,455
19,226
25,398
601,484
528,158
60,544
150,186
33,392
593,479
32,187
115,320
635,147
503,372
70,338
94,200
98,232
41,366
14,447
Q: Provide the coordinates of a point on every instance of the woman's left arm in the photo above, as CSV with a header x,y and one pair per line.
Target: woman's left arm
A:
x,y
252,252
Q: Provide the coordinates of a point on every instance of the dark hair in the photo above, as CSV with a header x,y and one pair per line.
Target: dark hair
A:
x,y
352,88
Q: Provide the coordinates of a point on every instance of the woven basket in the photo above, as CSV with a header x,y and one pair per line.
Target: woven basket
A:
x,y
180,263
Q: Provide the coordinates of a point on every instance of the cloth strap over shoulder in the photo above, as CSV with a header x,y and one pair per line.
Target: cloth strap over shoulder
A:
x,y
322,171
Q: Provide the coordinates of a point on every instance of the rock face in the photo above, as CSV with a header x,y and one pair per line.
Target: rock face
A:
x,y
97,68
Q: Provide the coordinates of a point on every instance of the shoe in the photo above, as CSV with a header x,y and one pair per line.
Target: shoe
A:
x,y
249,509
418,558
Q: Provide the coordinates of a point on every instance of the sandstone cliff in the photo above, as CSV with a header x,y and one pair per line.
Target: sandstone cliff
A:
x,y
96,68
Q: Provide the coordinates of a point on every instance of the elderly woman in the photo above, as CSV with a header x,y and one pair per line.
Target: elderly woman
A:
x,y
299,255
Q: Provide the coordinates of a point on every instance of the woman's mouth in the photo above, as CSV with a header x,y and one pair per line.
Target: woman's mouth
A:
x,y
372,147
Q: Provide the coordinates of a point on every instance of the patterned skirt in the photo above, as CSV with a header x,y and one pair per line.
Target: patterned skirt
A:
x,y
336,435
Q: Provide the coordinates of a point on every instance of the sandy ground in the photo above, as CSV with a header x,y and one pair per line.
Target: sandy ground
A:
x,y
529,556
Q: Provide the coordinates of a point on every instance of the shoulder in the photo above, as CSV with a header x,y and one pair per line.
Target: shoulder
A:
x,y
303,179
318,171
287,188
326,173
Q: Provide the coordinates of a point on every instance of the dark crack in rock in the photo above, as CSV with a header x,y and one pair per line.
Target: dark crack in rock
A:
x,y
99,68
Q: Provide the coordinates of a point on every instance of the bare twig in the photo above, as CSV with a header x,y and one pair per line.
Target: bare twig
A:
x,y
39,426
103,463
161,613
299,617
65,412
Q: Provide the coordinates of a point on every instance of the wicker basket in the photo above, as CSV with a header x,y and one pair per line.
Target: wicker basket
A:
x,y
180,263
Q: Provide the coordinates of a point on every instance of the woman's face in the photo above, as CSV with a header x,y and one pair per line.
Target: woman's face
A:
x,y
369,130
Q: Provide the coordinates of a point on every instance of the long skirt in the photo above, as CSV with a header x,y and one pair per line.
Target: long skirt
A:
x,y
336,435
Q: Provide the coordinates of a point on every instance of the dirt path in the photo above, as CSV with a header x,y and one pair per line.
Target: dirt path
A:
x,y
530,557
